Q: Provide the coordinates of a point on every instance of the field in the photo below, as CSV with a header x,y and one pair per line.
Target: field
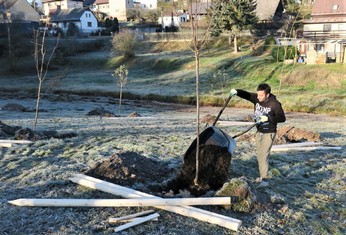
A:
x,y
306,194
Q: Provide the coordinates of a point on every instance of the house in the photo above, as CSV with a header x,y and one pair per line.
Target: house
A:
x,y
20,15
325,32
328,20
50,6
114,8
172,20
17,11
199,10
269,10
146,4
83,18
266,10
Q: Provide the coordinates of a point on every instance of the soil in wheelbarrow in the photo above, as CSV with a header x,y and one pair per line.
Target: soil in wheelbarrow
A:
x,y
214,170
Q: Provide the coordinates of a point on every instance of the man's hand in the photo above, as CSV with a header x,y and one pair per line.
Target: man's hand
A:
x,y
233,92
261,119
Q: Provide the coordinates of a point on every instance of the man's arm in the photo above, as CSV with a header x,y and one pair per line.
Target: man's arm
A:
x,y
247,95
279,115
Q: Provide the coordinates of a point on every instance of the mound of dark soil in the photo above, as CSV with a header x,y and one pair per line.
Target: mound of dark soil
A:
x,y
100,112
14,107
291,134
7,131
128,168
19,133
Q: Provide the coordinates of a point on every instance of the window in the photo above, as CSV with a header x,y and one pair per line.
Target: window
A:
x,y
335,7
90,24
327,27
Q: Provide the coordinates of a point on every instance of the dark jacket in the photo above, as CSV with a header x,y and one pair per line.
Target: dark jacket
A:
x,y
271,108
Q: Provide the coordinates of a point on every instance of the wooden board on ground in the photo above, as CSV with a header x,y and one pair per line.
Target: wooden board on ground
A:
x,y
136,222
306,148
203,215
129,217
231,123
134,202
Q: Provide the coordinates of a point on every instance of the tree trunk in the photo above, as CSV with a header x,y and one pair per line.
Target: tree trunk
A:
x,y
235,43
120,96
198,115
38,102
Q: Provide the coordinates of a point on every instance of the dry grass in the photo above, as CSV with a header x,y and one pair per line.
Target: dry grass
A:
x,y
306,196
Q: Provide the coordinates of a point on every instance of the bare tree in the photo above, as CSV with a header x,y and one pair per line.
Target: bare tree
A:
x,y
120,75
197,44
42,57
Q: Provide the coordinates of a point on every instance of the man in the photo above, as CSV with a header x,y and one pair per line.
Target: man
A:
x,y
268,112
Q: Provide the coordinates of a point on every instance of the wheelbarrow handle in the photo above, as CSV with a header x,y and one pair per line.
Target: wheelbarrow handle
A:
x,y
223,108
242,133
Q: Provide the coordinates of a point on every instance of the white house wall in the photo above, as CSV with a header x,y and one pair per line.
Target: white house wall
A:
x,y
310,29
117,8
87,18
148,4
167,20
65,4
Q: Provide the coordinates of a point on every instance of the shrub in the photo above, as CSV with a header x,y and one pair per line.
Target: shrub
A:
x,y
125,42
282,53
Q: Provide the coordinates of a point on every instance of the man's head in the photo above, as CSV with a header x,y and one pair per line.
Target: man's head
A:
x,y
263,91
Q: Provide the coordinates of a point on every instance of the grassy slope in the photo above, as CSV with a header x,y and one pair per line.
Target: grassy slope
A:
x,y
166,71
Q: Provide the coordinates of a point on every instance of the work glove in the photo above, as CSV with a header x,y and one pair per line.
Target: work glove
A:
x,y
233,92
261,119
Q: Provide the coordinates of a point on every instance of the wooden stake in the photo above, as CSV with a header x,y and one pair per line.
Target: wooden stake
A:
x,y
203,215
231,123
6,145
306,148
136,222
293,145
66,202
16,141
128,217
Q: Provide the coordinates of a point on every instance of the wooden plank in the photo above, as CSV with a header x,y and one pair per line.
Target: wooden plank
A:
x,y
129,217
6,145
203,215
16,141
305,148
293,145
136,222
232,123
135,202
133,219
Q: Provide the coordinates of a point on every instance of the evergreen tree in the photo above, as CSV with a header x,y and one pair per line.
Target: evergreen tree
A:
x,y
232,16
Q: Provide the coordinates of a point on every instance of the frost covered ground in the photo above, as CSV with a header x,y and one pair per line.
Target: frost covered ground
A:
x,y
310,185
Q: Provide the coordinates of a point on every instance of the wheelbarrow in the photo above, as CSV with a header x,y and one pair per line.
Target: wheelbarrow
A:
x,y
215,152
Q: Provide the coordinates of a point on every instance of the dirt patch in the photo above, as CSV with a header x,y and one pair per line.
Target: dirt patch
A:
x,y
20,133
128,168
101,111
289,134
